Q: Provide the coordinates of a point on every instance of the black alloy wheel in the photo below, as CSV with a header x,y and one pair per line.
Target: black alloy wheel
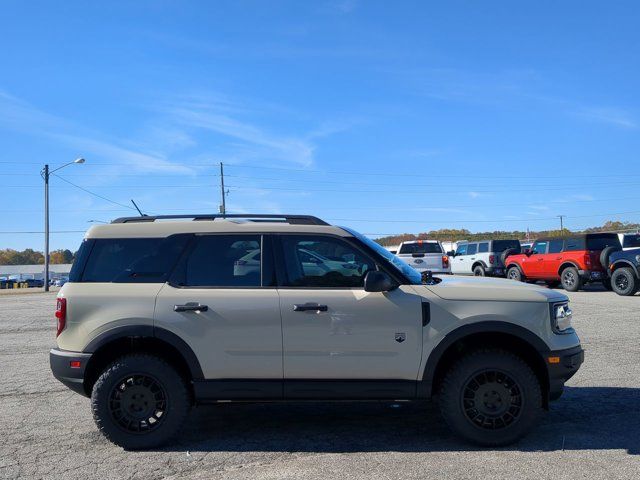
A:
x,y
138,403
491,399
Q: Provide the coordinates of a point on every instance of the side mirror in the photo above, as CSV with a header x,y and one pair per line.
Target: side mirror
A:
x,y
528,252
451,253
375,281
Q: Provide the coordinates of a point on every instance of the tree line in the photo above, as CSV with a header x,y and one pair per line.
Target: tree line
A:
x,y
29,256
453,235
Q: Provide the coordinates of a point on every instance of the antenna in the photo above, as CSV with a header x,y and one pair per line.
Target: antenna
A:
x,y
139,211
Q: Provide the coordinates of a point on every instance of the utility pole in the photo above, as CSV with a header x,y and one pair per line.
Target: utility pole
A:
x,y
561,222
223,206
45,175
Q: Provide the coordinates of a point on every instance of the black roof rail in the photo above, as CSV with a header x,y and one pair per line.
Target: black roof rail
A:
x,y
261,217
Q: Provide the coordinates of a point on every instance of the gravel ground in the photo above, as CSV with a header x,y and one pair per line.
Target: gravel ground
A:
x,y
593,431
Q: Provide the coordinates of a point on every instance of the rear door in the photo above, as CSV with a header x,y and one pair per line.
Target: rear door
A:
x,y
222,301
334,332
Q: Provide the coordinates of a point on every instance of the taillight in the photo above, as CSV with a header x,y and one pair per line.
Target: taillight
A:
x,y
587,259
492,259
445,261
61,314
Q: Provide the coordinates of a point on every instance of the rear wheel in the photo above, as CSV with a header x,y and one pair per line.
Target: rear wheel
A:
x,y
514,273
139,401
478,271
570,279
624,282
490,398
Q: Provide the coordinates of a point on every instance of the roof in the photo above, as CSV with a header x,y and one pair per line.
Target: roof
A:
x,y
579,235
163,226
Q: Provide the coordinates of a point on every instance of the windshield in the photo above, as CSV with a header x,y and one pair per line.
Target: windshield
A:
x,y
421,247
414,276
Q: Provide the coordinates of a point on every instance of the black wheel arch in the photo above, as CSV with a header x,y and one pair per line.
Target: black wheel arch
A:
x,y
623,263
123,340
495,334
479,263
567,264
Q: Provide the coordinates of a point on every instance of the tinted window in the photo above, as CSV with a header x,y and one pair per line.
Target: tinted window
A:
x,y
540,247
472,249
132,260
483,247
555,246
318,261
502,245
573,244
631,240
222,261
425,247
600,242
462,250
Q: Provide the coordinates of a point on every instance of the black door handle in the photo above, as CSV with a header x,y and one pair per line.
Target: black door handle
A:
x,y
190,307
304,307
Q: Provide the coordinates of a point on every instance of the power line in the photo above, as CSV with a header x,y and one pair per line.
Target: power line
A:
x,y
95,194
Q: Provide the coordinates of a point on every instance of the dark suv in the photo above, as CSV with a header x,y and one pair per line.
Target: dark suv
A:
x,y
571,261
624,268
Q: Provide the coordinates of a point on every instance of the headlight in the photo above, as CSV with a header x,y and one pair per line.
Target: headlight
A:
x,y
561,316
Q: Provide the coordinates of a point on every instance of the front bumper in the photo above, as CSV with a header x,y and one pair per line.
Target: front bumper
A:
x,y
61,362
561,366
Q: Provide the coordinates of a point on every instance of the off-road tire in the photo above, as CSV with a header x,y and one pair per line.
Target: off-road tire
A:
x,y
511,394
570,279
605,254
514,273
478,271
119,394
624,282
506,253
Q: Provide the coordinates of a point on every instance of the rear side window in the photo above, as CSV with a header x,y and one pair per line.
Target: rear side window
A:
x,y
425,247
131,260
472,249
222,261
555,246
483,247
600,242
631,240
574,244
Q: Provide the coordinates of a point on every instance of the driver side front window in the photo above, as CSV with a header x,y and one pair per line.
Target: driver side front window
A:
x,y
320,261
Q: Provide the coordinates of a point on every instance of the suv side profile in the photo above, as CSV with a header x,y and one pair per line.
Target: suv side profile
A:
x,y
624,270
572,261
482,258
163,313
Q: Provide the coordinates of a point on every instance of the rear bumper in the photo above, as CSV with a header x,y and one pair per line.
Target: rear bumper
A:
x,y
62,369
495,271
592,275
563,369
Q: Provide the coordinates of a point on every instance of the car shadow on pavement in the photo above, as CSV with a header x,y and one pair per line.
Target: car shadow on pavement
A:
x,y
585,418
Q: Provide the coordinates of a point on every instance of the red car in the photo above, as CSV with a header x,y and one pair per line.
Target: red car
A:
x,y
571,261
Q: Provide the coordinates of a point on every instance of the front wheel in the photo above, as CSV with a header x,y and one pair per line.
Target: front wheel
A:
x,y
624,282
139,402
570,279
490,398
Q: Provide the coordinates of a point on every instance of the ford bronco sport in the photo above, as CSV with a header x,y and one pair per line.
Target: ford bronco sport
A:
x,y
572,261
163,313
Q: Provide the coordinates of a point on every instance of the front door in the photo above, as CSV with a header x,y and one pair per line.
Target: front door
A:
x,y
222,301
537,259
338,340
458,261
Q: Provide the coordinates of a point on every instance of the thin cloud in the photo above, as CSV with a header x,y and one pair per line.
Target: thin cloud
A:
x,y
612,116
474,194
17,115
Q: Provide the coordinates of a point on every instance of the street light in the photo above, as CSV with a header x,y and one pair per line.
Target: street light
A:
x,y
45,175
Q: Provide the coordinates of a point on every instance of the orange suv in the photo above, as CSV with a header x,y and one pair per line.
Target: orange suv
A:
x,y
570,261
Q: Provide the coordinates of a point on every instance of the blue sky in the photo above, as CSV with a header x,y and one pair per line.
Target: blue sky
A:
x,y
388,117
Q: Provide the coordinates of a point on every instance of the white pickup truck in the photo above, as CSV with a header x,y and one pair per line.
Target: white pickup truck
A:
x,y
424,255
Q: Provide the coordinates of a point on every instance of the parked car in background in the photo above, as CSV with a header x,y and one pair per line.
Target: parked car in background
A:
x,y
624,269
59,282
424,255
393,250
572,261
629,240
482,258
525,246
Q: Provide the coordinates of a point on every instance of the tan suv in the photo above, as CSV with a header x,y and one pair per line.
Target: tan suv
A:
x,y
162,313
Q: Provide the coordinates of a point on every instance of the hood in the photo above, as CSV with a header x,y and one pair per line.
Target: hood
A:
x,y
492,289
